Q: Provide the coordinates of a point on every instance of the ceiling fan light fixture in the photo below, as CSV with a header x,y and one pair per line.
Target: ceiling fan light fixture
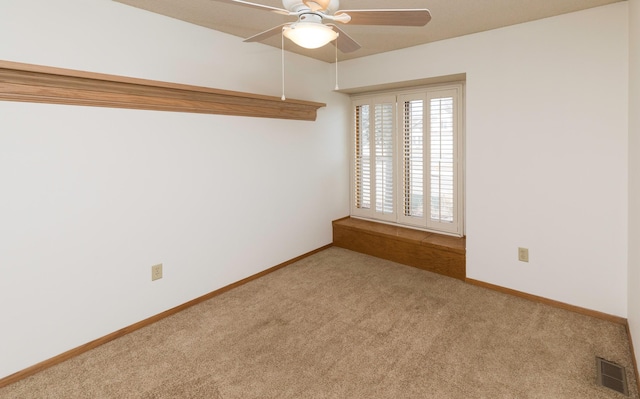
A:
x,y
310,34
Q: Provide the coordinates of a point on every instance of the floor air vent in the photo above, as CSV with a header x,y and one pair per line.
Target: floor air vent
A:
x,y
612,376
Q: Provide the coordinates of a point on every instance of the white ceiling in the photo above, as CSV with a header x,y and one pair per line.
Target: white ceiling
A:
x,y
450,18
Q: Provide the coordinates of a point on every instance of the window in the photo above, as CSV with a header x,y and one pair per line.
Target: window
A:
x,y
407,158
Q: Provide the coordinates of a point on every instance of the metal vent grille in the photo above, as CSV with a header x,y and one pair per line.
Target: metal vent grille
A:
x,y
612,376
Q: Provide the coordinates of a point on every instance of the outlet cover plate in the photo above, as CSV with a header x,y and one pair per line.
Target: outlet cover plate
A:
x,y
523,254
156,272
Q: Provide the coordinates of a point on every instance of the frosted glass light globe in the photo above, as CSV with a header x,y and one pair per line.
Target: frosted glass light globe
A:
x,y
310,34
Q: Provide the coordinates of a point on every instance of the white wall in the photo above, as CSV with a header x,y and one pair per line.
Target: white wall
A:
x,y
634,174
546,162
92,197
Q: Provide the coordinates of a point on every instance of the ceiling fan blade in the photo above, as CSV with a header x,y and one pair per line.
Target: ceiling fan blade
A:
x,y
415,17
266,34
317,5
344,42
258,6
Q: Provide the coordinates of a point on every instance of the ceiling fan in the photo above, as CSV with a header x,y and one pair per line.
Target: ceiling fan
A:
x,y
311,31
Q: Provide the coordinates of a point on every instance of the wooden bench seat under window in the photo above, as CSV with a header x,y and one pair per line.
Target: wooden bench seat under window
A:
x,y
429,251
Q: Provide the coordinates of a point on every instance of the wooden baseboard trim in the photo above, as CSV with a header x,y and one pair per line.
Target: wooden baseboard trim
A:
x,y
633,355
143,323
550,302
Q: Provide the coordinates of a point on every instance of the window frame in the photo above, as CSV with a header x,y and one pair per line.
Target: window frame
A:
x,y
425,93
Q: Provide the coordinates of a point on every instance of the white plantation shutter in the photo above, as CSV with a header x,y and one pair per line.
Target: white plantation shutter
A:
x,y
373,163
406,168
384,134
442,160
362,178
412,159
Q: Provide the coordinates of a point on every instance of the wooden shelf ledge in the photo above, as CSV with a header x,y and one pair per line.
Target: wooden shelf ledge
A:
x,y
42,84
437,253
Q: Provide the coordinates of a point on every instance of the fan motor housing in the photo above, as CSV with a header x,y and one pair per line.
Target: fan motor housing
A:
x,y
297,5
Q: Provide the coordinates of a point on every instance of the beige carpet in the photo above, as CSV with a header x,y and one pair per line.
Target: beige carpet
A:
x,y
345,325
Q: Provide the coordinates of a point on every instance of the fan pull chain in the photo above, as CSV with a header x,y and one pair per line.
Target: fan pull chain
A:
x,y
282,38
336,46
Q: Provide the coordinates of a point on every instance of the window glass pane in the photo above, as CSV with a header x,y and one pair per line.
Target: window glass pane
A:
x,y
442,159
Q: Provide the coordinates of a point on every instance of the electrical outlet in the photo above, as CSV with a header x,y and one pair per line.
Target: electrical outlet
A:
x,y
156,272
523,254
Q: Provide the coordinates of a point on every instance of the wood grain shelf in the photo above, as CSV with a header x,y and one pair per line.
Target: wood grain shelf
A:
x,y
42,84
436,253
